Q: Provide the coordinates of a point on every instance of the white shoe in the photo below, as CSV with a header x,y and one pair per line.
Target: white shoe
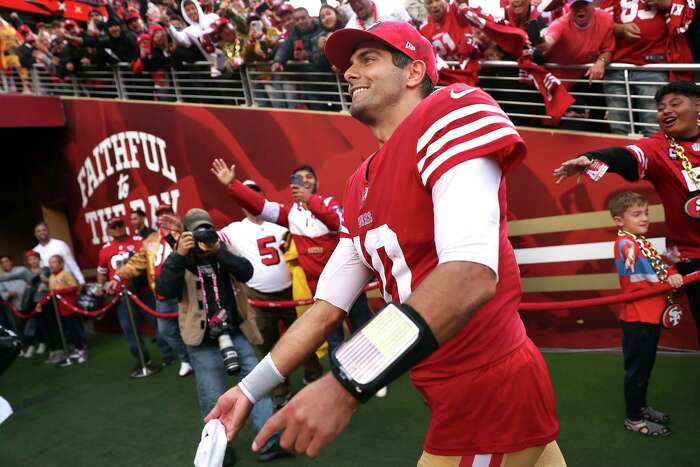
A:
x,y
41,348
382,392
185,369
22,353
29,352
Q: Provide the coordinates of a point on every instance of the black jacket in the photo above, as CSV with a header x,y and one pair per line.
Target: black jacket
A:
x,y
171,280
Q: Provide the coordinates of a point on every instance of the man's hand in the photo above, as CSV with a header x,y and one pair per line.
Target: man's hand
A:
x,y
572,167
185,243
111,287
596,71
312,419
631,32
276,67
223,172
232,410
300,193
675,281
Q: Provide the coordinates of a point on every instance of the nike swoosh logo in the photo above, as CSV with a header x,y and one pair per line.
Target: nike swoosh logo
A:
x,y
457,95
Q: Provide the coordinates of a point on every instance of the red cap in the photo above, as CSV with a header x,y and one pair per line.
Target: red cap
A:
x,y
70,24
114,220
32,253
132,15
395,35
284,9
164,208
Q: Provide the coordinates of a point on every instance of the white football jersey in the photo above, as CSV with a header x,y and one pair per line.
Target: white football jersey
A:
x,y
261,245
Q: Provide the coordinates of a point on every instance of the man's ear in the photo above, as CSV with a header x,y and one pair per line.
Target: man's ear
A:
x,y
697,105
416,72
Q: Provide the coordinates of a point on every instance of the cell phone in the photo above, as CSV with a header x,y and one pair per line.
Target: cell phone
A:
x,y
256,26
297,180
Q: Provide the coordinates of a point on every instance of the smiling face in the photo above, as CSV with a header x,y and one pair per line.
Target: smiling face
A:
x,y
41,232
635,219
302,20
310,182
114,30
678,115
6,263
327,17
375,82
191,12
55,264
519,7
33,262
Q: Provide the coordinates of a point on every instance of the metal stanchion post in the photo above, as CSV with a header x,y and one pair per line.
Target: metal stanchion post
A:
x,y
145,370
67,360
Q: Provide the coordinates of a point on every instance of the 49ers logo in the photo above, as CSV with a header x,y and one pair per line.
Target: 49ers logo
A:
x,y
671,316
692,207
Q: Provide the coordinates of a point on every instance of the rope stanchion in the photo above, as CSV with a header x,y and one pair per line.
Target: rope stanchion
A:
x,y
37,309
611,300
93,314
145,307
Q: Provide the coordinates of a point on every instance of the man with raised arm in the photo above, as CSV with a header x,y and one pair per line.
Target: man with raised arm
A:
x,y
426,213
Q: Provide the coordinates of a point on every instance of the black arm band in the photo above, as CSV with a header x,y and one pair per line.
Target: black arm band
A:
x,y
385,348
619,160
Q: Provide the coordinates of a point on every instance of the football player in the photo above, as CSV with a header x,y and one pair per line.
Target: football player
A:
x,y
426,214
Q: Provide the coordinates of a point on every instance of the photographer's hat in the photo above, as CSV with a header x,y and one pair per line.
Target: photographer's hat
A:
x,y
195,218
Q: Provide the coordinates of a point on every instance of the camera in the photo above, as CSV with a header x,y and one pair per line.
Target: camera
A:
x,y
205,235
218,329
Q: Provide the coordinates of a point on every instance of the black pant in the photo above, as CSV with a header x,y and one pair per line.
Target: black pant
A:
x,y
639,341
692,290
73,328
47,320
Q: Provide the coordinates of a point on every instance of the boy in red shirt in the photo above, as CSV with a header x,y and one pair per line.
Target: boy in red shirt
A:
x,y
640,266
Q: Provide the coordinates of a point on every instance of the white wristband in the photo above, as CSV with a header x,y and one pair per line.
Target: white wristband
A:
x,y
262,380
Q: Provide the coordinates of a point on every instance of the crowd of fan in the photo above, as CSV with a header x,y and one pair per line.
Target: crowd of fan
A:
x,y
153,37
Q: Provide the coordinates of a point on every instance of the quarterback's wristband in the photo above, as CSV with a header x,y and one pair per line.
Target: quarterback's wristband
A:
x,y
385,348
262,380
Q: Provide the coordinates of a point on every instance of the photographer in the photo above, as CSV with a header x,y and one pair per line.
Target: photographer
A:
x,y
199,274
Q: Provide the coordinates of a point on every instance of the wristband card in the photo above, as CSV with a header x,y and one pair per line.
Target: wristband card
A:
x,y
372,350
596,170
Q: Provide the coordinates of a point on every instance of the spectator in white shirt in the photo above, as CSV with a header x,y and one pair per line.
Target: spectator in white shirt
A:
x,y
367,12
261,243
49,247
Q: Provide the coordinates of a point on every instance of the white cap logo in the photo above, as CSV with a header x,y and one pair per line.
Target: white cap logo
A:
x,y
410,46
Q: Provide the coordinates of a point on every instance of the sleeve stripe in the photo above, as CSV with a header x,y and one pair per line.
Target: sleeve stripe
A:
x,y
641,158
451,117
344,230
460,132
270,211
466,146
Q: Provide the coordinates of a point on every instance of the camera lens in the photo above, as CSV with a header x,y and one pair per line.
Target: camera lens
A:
x,y
229,354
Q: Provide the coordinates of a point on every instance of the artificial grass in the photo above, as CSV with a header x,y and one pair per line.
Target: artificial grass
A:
x,y
94,415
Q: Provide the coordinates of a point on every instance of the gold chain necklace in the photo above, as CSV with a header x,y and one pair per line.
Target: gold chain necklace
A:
x,y
650,253
680,152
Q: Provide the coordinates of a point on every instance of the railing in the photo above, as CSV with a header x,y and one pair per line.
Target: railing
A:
x,y
629,108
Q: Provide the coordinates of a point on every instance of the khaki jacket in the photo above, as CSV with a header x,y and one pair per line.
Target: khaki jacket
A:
x,y
193,320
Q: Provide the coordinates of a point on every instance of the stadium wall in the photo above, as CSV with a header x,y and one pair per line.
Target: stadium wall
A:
x,y
123,155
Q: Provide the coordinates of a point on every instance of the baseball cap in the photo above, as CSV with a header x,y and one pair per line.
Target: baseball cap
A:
x,y
394,34
195,218
112,221
571,2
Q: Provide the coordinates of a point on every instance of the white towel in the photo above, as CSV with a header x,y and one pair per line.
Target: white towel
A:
x,y
212,447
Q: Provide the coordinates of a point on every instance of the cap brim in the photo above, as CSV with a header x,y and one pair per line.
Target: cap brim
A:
x,y
343,43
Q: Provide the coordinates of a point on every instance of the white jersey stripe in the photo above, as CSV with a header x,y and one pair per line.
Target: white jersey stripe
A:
x,y
482,460
451,117
640,156
466,146
270,211
458,133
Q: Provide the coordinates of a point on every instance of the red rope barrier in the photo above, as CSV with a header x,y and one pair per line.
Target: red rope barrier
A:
x,y
18,313
526,306
145,307
293,303
81,311
610,300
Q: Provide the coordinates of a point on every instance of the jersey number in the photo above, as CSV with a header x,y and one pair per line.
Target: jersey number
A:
x,y
268,254
382,245
444,44
630,11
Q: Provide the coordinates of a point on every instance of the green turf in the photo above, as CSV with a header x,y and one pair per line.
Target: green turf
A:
x,y
94,415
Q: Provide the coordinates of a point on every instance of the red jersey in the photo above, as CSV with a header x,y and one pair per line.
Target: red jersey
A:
x,y
449,34
651,46
576,46
658,163
114,254
314,227
393,228
639,276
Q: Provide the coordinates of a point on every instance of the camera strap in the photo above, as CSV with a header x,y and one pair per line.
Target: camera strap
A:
x,y
207,271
